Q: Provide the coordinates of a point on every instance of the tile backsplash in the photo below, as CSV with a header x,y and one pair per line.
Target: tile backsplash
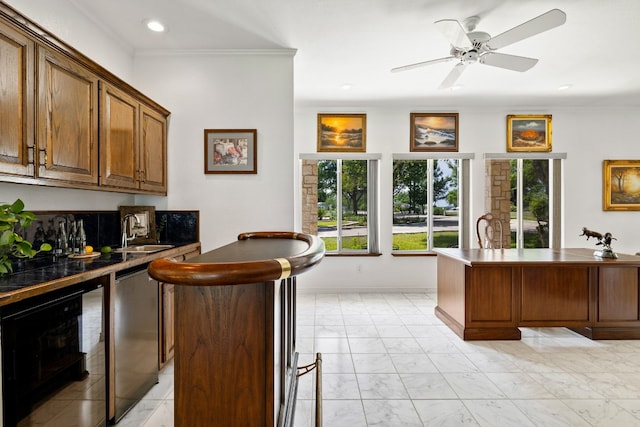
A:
x,y
103,228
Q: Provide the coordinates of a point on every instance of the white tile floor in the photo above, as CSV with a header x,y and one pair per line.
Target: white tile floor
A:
x,y
388,361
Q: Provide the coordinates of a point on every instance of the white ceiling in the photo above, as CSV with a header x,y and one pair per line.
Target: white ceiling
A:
x,y
357,42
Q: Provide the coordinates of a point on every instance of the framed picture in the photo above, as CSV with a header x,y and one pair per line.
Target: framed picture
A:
x,y
621,185
342,132
434,132
230,151
529,133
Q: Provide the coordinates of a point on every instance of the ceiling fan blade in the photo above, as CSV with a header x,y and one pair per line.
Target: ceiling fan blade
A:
x,y
453,76
454,32
510,62
537,25
421,64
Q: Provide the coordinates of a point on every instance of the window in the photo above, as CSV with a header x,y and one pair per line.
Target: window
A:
x,y
430,202
340,201
534,194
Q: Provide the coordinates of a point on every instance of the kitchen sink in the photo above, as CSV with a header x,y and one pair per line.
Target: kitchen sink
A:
x,y
144,249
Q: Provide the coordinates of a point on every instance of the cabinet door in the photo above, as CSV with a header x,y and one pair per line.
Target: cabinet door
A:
x,y
167,332
67,119
153,151
118,138
16,102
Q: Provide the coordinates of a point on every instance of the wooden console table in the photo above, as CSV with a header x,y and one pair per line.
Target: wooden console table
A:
x,y
486,294
235,360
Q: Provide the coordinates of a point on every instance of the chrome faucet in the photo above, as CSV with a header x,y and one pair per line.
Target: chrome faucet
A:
x,y
125,229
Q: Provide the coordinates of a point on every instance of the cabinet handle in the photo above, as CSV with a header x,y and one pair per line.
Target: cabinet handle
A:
x,y
143,176
43,151
31,159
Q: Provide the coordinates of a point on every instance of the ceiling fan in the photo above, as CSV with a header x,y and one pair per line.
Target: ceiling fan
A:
x,y
469,46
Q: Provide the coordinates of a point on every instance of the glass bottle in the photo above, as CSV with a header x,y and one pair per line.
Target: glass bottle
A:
x,y
62,247
81,238
71,238
50,237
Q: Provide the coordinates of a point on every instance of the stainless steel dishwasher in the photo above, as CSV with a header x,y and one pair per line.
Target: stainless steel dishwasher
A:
x,y
135,338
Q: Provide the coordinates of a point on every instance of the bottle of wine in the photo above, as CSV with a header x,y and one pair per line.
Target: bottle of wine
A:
x,y
81,238
73,249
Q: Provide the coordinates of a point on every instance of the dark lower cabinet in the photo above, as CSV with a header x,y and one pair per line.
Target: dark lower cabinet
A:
x,y
48,343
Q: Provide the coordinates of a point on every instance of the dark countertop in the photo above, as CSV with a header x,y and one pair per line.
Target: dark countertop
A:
x,y
42,275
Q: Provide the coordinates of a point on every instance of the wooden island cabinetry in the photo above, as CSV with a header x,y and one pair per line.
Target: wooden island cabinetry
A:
x,y
235,359
65,121
487,294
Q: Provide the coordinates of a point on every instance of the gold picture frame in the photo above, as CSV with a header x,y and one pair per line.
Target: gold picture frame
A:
x,y
434,132
342,133
621,185
529,133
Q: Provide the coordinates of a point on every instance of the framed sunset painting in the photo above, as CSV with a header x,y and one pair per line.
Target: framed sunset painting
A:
x,y
342,133
621,185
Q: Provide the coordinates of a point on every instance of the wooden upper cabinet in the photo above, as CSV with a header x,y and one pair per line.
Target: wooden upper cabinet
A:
x,y
67,119
153,150
16,102
118,138
133,143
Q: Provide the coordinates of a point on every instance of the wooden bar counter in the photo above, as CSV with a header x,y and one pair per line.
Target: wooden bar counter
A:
x,y
235,360
486,294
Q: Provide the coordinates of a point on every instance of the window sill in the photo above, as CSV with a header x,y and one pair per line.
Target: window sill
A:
x,y
351,254
413,253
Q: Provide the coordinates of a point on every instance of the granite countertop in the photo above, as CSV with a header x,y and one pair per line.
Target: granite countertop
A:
x,y
39,276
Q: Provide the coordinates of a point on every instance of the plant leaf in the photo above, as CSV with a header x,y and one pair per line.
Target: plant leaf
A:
x,y
45,247
17,206
7,237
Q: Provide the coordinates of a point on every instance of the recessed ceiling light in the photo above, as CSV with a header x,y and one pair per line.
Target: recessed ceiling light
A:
x,y
156,26
346,86
456,87
564,87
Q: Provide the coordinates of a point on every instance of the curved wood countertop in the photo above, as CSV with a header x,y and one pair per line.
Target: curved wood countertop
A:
x,y
535,256
255,257
60,275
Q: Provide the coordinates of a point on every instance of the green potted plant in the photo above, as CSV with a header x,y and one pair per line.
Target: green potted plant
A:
x,y
12,245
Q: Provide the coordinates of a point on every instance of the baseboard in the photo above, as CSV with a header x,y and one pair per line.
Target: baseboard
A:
x,y
305,290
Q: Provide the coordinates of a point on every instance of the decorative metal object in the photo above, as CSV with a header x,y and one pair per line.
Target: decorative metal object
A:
x,y
604,240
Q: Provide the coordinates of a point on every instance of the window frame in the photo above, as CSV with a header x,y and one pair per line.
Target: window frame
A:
x,y
373,205
555,198
464,196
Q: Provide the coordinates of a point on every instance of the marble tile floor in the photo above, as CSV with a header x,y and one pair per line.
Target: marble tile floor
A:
x,y
388,361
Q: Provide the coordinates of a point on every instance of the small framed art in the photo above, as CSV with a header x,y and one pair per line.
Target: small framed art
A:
x,y
528,133
621,185
342,132
230,151
434,132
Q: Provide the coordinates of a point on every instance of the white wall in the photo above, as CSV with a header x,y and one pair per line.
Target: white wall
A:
x,y
226,90
64,20
587,134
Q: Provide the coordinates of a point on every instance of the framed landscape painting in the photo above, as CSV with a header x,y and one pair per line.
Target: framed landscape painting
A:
x,y
529,133
230,151
342,132
434,132
621,185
